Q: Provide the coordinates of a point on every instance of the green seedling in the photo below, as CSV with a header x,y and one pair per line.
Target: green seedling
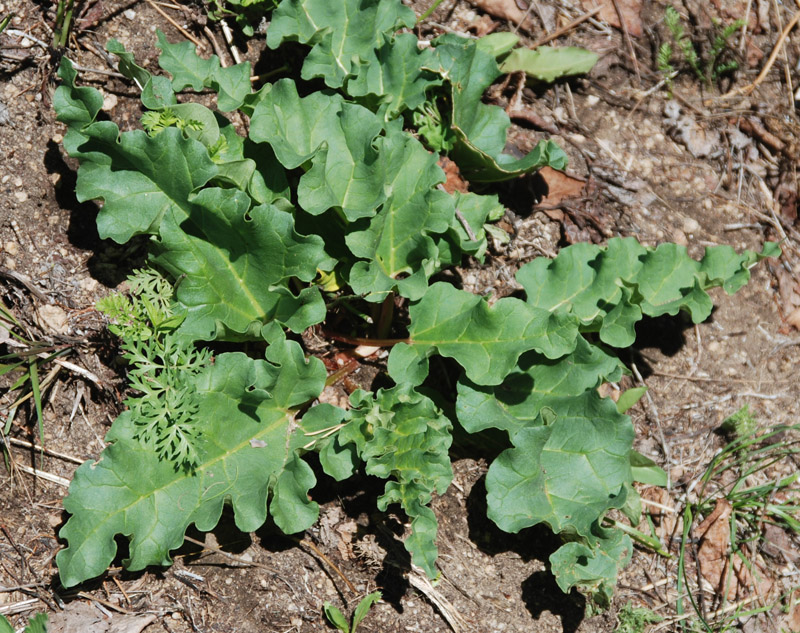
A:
x,y
6,21
338,620
63,25
752,506
635,619
37,624
708,70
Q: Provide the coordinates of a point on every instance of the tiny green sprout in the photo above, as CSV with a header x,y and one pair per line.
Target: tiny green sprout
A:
x,y
5,22
635,619
37,624
155,122
338,620
740,424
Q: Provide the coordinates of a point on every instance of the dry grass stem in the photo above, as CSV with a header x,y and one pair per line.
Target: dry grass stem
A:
x,y
566,28
183,31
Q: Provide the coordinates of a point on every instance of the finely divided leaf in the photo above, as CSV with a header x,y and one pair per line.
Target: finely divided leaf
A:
x,y
250,440
486,341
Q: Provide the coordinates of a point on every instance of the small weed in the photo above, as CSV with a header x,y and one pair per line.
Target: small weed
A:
x,y
707,69
338,620
752,454
635,619
63,25
37,624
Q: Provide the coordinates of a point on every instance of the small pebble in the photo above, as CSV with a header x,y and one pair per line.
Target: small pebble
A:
x,y
690,225
129,14
109,102
21,196
12,248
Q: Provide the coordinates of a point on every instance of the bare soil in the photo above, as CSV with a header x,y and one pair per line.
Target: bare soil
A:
x,y
698,169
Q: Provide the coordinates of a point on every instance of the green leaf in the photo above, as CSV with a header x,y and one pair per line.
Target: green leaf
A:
x,y
139,178
237,261
75,106
338,139
629,398
486,341
646,471
498,44
189,70
247,408
364,606
608,288
399,239
336,617
400,434
476,210
5,625
395,78
592,569
535,383
37,624
546,63
344,34
534,482
235,265
127,64
480,128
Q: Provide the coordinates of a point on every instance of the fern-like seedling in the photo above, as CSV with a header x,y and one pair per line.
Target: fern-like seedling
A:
x,y
155,122
165,409
720,44
162,367
665,65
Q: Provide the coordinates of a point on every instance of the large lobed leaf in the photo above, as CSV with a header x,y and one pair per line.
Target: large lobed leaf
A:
x,y
609,288
570,461
382,180
249,451
343,34
235,260
232,84
485,340
480,128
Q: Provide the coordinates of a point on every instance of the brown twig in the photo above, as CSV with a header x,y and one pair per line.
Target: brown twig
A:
x,y
746,90
333,566
564,29
628,42
183,31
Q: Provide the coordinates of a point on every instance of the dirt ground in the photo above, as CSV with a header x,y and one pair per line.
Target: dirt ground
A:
x,y
715,164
